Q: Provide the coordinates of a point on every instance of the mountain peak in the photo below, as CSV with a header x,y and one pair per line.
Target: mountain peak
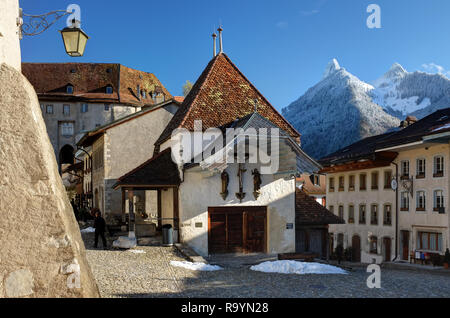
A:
x,y
396,70
332,67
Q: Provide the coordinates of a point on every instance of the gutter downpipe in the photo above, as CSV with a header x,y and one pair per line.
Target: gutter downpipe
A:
x,y
396,212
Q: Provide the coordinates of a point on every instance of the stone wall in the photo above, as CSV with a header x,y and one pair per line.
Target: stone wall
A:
x,y
42,253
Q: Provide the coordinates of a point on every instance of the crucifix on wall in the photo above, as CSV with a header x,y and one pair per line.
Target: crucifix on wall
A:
x,y
241,194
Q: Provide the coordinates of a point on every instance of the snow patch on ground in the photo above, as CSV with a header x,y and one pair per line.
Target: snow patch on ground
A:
x,y
88,230
294,267
137,251
196,266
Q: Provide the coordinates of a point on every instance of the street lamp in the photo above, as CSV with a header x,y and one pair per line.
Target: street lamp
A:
x,y
74,39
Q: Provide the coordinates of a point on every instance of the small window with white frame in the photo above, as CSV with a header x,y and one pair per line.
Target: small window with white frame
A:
x,y
420,200
438,198
66,110
49,109
404,201
84,108
404,169
438,166
420,168
67,129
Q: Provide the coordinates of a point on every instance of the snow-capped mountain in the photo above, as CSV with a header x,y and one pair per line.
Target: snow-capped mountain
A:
x,y
336,112
341,109
419,94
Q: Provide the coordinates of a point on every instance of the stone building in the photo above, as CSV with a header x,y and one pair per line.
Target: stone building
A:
x,y
79,97
216,206
409,222
116,148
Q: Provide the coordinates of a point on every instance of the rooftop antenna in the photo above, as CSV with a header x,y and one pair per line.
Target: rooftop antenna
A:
x,y
220,40
214,36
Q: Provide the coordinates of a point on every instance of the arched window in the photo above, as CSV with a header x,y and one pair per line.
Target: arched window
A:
x,y
438,166
109,89
69,89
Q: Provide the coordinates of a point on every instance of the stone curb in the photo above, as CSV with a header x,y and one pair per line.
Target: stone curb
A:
x,y
190,254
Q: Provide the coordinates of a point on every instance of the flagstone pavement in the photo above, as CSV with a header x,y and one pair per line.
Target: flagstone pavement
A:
x,y
149,274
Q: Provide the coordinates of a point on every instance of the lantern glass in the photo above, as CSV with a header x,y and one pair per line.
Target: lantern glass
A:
x,y
74,41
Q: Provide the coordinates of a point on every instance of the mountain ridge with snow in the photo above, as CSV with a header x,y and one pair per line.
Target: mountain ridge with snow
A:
x,y
342,109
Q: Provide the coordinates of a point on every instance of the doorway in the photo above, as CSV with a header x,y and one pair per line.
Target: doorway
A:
x,y
387,249
237,229
405,245
356,249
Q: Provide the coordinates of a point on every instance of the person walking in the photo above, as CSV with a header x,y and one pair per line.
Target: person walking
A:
x,y
100,226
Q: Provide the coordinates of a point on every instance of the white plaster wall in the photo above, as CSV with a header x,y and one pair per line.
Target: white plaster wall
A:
x,y
428,220
167,206
9,34
202,190
368,197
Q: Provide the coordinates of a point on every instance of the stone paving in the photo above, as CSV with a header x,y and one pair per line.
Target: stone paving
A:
x,y
125,274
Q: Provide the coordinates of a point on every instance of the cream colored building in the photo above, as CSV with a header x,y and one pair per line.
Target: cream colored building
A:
x,y
417,158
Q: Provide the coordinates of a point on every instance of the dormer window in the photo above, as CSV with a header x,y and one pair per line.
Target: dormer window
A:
x,y
144,94
69,89
109,89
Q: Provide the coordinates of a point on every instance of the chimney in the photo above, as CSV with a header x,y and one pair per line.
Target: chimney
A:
x,y
214,36
220,40
408,121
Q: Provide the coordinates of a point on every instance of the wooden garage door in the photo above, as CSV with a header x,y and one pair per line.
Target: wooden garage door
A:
x,y
237,230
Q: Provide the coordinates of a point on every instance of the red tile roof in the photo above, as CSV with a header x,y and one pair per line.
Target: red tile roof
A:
x,y
179,99
309,212
90,80
220,95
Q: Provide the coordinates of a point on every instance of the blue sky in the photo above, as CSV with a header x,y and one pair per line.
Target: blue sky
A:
x,y
282,46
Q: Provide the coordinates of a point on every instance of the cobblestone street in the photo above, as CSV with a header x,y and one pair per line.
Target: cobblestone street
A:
x,y
149,274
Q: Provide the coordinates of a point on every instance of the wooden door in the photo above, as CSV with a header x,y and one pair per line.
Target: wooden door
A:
x,y
387,249
356,249
237,230
316,242
254,239
405,245
301,241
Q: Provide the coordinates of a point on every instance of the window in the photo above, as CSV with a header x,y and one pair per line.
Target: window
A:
x,y
340,239
109,89
144,94
341,212
362,182
351,183
331,186
404,169
420,168
438,200
404,201
420,201
362,214
387,179
429,241
315,179
374,214
84,108
107,107
351,214
49,109
66,110
438,169
374,180
373,245
67,129
341,183
387,215
69,89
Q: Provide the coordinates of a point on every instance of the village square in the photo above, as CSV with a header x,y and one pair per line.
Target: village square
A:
x,y
131,190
